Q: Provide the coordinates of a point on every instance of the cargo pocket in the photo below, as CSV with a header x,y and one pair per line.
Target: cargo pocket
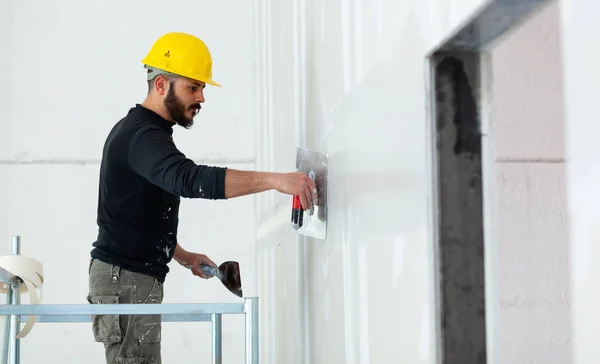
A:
x,y
106,328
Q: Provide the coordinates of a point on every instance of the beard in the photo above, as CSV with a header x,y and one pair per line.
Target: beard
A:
x,y
178,111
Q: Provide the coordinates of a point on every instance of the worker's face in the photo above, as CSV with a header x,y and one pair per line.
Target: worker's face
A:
x,y
183,100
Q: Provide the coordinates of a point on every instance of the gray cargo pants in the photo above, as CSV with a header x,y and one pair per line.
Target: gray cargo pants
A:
x,y
127,339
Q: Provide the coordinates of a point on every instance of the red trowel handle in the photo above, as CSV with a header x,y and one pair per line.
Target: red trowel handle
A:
x,y
297,212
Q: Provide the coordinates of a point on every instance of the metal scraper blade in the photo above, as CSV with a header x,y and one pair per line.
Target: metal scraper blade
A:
x,y
313,222
229,274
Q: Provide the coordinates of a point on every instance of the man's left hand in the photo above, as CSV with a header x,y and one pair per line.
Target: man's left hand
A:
x,y
192,261
195,259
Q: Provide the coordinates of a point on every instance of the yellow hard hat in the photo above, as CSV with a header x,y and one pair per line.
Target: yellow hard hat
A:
x,y
183,55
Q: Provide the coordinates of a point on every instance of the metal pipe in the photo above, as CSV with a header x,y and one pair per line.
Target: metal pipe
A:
x,y
16,245
181,310
216,338
6,341
252,330
15,323
204,317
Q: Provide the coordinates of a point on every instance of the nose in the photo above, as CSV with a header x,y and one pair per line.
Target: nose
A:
x,y
200,96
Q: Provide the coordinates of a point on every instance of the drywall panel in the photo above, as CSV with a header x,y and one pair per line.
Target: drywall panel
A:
x,y
581,57
277,94
366,294
56,220
281,320
79,70
6,39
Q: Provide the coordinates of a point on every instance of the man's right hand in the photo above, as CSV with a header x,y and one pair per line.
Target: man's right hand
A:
x,y
298,184
242,183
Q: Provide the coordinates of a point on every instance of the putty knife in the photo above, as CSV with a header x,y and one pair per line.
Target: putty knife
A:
x,y
228,273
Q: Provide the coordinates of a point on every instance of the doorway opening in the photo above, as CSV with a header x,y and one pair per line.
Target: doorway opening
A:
x,y
473,321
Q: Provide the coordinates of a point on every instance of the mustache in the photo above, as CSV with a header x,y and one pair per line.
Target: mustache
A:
x,y
195,106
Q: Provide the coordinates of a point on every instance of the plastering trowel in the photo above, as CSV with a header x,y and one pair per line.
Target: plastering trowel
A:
x,y
312,222
228,273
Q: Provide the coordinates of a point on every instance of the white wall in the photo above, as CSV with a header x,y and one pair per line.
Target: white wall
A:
x,y
341,77
530,215
350,75
72,69
582,91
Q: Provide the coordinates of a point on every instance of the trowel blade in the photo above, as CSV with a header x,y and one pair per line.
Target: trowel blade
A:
x,y
313,222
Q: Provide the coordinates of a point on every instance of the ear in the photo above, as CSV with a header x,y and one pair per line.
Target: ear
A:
x,y
161,85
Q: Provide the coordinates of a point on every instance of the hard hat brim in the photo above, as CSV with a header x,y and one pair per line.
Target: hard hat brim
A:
x,y
211,82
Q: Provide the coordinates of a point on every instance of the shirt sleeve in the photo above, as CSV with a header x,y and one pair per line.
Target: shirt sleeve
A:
x,y
154,156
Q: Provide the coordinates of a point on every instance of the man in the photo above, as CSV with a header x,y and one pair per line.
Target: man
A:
x,y
142,178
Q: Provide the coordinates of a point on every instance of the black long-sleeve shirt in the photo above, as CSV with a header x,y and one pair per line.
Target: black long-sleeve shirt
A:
x,y
142,177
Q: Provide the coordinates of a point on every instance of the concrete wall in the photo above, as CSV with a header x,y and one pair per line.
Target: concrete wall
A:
x,y
581,94
70,70
530,214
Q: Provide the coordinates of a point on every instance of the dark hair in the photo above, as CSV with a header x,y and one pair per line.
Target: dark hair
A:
x,y
169,78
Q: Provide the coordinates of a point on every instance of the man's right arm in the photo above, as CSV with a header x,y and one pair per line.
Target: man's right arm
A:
x,y
241,183
153,154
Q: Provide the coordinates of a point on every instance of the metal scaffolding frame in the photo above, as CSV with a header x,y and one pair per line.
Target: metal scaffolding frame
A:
x,y
170,312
